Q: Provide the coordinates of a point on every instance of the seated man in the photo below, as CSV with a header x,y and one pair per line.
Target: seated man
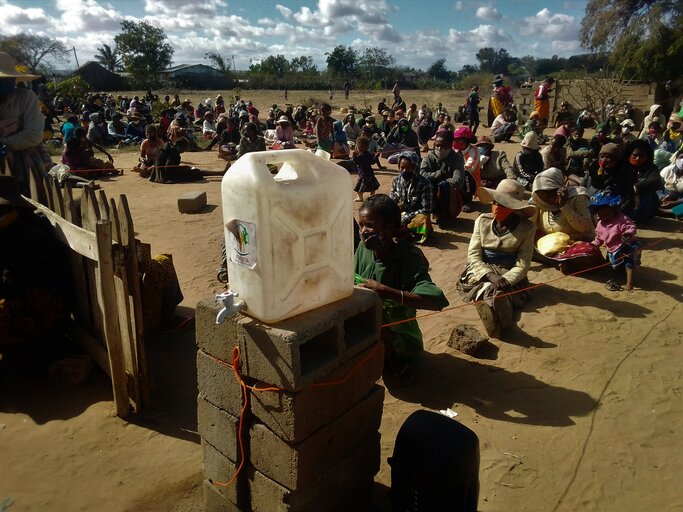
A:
x,y
413,194
445,169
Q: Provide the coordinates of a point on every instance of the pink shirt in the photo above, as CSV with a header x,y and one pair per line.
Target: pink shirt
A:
x,y
612,233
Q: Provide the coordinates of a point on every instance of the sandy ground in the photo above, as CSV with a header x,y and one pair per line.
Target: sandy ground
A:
x,y
577,408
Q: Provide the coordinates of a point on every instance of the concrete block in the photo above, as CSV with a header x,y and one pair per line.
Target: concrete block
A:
x,y
302,350
294,416
220,429
217,384
214,501
346,487
298,466
218,468
216,340
192,202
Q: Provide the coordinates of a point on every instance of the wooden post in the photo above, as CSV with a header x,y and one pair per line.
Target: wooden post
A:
x,y
127,239
107,299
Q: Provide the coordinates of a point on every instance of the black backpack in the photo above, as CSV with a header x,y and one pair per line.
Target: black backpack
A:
x,y
435,466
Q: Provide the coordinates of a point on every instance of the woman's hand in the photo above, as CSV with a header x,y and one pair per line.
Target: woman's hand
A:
x,y
562,196
375,286
497,281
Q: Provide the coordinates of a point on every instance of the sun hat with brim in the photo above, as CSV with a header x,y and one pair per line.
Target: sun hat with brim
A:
x,y
530,141
8,69
510,194
10,194
283,119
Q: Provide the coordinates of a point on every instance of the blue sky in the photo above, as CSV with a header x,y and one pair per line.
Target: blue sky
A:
x,y
416,32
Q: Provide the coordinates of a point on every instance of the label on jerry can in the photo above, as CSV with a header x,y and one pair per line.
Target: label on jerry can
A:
x,y
242,243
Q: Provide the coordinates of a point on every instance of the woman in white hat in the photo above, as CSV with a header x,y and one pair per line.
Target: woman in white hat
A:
x,y
528,162
284,133
21,125
499,256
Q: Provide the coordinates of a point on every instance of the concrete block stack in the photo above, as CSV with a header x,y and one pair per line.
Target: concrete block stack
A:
x,y
313,445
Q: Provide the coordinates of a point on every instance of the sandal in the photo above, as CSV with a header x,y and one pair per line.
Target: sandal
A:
x,y
613,286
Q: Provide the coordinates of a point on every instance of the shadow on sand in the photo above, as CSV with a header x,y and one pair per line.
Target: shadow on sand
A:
x,y
171,358
443,379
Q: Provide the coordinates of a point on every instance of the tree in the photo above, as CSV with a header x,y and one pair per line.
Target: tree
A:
x,y
492,61
32,50
438,70
374,62
650,28
342,61
144,49
218,61
486,57
303,64
276,65
109,58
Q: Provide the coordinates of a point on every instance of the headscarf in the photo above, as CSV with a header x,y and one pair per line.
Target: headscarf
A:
x,y
611,149
411,156
552,179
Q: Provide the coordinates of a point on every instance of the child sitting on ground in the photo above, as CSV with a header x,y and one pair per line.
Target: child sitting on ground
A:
x,y
367,182
618,233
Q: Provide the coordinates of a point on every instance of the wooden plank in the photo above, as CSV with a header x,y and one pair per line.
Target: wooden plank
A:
x,y
50,203
90,210
57,199
125,307
107,296
124,313
103,205
82,307
78,239
91,346
70,208
37,185
95,309
127,233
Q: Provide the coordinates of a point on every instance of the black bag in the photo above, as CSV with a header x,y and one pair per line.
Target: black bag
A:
x,y
435,466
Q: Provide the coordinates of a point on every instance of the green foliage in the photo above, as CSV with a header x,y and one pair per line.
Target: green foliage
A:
x,y
218,61
145,51
483,80
438,70
109,57
303,64
374,63
75,88
654,56
492,61
31,50
342,61
643,37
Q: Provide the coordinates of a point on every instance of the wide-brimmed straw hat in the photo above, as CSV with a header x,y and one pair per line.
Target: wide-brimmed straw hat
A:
x,y
508,193
282,119
530,141
8,69
10,194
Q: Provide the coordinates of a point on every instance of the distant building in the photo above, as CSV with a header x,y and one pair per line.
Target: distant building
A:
x,y
100,78
195,76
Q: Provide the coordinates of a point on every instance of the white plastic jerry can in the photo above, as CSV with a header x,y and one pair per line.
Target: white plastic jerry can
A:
x,y
288,237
